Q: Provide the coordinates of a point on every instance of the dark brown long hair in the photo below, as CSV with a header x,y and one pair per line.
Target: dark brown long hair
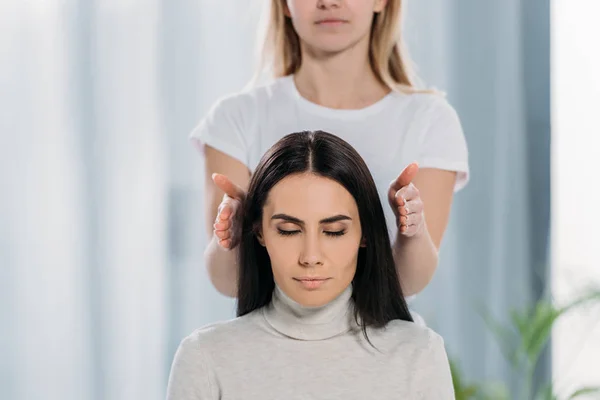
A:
x,y
376,289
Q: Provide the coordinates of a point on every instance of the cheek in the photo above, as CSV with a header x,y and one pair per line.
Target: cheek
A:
x,y
344,250
364,26
283,251
363,15
302,28
299,14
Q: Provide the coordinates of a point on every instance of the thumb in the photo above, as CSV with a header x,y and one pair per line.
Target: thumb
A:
x,y
406,176
226,185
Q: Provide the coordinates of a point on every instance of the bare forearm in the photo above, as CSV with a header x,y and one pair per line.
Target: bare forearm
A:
x,y
416,259
221,265
226,180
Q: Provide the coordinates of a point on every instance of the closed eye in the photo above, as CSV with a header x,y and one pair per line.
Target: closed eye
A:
x,y
284,232
287,233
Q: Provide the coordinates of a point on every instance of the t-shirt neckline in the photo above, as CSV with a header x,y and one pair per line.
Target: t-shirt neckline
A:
x,y
290,87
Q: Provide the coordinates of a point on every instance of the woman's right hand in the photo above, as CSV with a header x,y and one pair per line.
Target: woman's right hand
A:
x,y
225,226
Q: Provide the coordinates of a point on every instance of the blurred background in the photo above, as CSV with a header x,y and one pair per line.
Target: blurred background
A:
x,y
101,214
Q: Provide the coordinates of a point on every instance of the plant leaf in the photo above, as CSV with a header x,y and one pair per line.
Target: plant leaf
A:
x,y
505,338
461,390
495,391
546,393
589,295
542,321
521,320
584,391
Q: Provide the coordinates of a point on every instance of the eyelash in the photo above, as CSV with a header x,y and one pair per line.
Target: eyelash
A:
x,y
328,233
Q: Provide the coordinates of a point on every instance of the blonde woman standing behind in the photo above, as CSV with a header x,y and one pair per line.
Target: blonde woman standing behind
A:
x,y
338,66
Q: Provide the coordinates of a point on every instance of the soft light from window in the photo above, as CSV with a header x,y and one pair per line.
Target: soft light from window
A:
x,y
575,193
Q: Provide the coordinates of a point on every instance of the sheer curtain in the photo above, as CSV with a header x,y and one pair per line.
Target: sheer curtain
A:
x,y
87,203
101,239
492,58
101,232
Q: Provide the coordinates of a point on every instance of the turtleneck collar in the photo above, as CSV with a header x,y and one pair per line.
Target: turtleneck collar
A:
x,y
310,323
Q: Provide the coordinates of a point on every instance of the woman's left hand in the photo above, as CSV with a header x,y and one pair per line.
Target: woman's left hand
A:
x,y
406,202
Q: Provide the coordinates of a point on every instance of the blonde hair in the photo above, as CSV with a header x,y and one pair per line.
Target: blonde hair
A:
x,y
280,53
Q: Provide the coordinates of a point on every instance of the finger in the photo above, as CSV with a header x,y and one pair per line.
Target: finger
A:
x,y
414,219
402,206
406,176
223,217
407,194
226,210
403,210
403,220
222,235
400,203
226,244
403,229
399,197
224,213
410,230
227,186
411,207
222,225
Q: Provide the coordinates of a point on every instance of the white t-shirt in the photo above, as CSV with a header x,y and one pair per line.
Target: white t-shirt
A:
x,y
389,135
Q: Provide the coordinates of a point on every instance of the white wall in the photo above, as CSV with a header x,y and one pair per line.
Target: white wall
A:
x,y
575,193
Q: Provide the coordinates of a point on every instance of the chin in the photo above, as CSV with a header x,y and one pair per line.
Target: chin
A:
x,y
332,46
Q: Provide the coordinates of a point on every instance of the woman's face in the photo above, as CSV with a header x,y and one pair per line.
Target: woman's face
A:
x,y
332,26
311,230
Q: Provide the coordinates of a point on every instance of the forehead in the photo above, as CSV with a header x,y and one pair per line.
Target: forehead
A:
x,y
306,194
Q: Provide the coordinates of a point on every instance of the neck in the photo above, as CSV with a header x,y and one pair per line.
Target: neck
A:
x,y
343,80
310,323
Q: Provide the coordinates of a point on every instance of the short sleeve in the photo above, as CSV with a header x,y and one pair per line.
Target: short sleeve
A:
x,y
443,144
190,378
226,127
434,379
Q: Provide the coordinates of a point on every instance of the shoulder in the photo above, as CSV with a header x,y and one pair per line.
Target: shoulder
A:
x,y
429,105
220,334
233,104
250,98
423,350
194,365
234,118
413,338
422,334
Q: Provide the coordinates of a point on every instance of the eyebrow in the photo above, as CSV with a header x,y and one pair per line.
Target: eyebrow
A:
x,y
328,220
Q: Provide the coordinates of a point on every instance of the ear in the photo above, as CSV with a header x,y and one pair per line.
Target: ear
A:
x,y
286,9
379,5
260,238
363,242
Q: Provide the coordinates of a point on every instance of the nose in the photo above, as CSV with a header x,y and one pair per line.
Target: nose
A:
x,y
311,255
326,4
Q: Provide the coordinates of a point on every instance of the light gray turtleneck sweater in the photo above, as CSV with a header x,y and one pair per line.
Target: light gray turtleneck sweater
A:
x,y
289,352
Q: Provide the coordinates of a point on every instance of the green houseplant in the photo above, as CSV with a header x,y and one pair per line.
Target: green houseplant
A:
x,y
522,342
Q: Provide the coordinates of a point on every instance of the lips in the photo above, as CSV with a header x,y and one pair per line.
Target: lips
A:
x,y
311,283
331,21
310,278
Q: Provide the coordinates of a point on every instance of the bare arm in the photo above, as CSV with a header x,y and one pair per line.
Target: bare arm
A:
x,y
416,257
221,263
